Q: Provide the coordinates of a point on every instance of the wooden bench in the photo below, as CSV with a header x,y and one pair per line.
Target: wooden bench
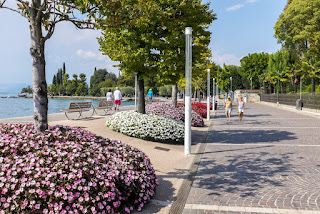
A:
x,y
104,105
79,107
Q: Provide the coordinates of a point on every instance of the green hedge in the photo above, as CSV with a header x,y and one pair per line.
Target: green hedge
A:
x,y
126,91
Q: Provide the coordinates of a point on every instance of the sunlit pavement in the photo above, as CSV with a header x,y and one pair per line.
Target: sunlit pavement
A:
x,y
267,163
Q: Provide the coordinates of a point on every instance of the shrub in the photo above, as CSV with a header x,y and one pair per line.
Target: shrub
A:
x,y
125,91
165,90
175,113
70,170
148,127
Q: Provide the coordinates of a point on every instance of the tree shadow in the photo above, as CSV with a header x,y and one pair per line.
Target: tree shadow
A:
x,y
243,173
243,136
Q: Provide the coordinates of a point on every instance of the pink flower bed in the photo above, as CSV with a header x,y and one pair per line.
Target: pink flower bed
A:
x,y
68,170
175,113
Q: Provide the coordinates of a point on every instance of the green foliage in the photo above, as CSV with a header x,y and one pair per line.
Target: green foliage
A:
x,y
165,90
253,66
27,89
125,91
298,27
153,44
101,78
98,76
126,80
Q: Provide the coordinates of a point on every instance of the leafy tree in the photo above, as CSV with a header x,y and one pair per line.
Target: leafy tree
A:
x,y
298,27
311,69
112,77
176,17
106,83
43,15
127,80
153,44
253,66
27,89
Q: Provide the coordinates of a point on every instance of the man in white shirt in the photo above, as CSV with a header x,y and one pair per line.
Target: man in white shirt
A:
x,y
117,98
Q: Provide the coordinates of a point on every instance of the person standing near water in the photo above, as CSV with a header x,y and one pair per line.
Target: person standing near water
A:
x,y
117,98
109,96
228,106
241,107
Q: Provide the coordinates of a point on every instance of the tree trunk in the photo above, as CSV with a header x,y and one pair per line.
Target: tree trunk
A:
x,y
270,89
313,86
174,95
141,100
199,95
40,98
282,88
264,87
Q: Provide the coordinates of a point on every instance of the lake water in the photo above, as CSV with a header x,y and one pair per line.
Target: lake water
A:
x,y
20,107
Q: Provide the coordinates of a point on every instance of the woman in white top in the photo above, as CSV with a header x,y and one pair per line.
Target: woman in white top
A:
x,y
109,96
241,107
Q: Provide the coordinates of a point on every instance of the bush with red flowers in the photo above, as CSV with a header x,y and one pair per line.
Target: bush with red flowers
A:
x,y
200,108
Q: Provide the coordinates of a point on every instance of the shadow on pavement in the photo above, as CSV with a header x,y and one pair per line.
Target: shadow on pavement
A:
x,y
249,136
243,174
164,192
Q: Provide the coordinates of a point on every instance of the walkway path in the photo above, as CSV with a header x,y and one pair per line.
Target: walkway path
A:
x,y
267,163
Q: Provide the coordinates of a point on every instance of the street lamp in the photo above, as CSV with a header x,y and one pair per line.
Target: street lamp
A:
x,y
135,90
208,95
188,76
231,87
278,90
213,93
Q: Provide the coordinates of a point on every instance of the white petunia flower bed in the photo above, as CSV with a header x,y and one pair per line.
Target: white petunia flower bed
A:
x,y
147,127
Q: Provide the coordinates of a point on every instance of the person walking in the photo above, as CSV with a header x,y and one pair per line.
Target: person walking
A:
x,y
241,107
117,98
109,96
150,94
228,106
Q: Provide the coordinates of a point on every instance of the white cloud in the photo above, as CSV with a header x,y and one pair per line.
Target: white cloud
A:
x,y
238,6
235,7
225,58
91,55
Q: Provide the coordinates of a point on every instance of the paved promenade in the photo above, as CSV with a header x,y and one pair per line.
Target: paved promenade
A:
x,y
267,163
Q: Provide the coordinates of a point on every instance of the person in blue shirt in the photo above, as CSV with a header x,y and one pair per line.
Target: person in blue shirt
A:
x,y
150,94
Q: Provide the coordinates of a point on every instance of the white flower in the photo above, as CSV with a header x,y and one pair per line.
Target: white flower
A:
x,y
149,127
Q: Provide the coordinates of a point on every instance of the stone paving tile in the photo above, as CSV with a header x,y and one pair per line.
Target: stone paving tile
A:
x,y
215,212
264,161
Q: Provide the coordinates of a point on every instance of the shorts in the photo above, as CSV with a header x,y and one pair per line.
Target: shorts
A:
x,y
240,110
150,97
228,110
117,102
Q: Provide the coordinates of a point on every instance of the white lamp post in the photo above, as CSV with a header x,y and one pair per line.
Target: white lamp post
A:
x,y
188,76
135,91
208,94
213,94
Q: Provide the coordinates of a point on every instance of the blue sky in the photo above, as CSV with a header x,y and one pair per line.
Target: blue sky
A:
x,y
242,27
